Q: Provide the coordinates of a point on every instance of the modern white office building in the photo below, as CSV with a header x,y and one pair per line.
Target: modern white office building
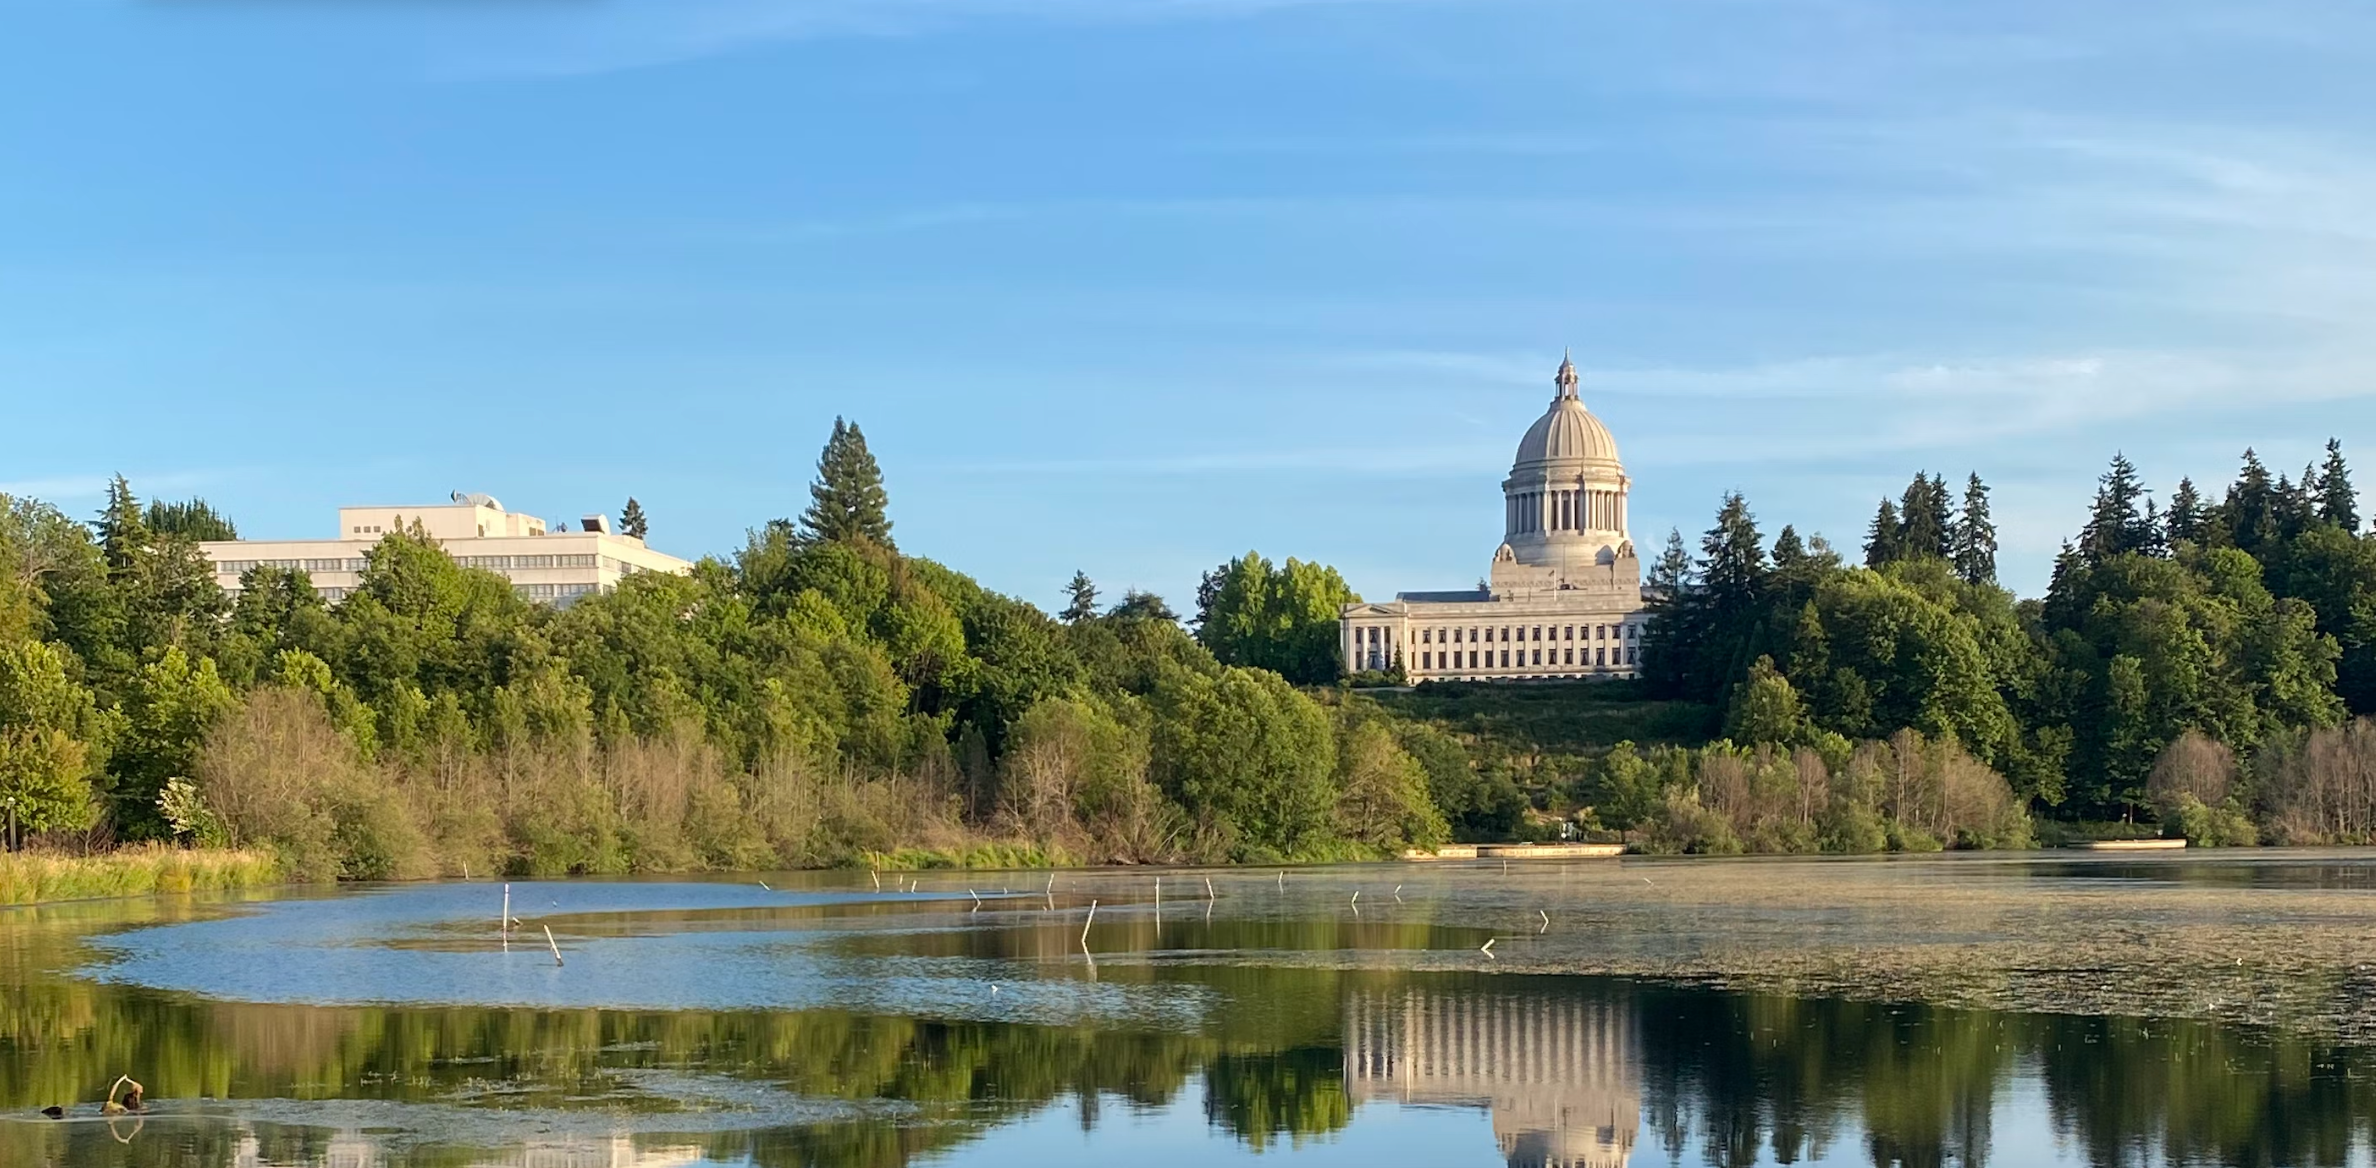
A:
x,y
1565,595
553,567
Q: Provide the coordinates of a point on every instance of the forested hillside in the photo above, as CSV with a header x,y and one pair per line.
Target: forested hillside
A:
x,y
822,698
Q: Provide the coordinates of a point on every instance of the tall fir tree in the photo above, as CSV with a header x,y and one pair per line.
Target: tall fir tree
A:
x,y
2116,523
2183,522
1670,574
2338,503
632,522
1732,566
1885,539
1790,552
123,531
1924,520
846,502
1083,595
2249,512
1975,535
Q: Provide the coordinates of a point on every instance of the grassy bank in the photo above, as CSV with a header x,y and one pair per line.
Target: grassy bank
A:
x,y
35,877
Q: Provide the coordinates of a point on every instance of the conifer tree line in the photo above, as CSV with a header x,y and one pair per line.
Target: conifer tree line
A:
x,y
819,697
2198,665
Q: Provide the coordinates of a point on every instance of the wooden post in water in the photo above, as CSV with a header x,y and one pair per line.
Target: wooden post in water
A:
x,y
1085,926
555,944
503,925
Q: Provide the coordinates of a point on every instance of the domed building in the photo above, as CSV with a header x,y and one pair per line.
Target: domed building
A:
x,y
1564,596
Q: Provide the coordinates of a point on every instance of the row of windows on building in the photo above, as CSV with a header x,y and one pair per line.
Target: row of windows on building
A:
x,y
551,591
490,563
1604,657
1433,636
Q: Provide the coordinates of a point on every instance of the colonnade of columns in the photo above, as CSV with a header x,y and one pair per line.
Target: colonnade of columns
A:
x,y
1580,510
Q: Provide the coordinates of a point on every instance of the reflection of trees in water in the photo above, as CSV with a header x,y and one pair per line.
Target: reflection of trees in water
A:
x,y
1728,1076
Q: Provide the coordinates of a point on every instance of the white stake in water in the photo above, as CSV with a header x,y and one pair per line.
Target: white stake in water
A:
x,y
555,944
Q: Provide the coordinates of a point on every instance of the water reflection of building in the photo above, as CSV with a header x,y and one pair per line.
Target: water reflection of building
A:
x,y
358,1150
1558,1073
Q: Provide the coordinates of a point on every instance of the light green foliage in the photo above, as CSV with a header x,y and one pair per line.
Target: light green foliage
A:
x,y
1283,618
1248,757
1765,708
171,706
1382,792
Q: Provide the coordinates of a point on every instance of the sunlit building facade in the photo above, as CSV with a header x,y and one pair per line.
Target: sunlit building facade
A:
x,y
1564,596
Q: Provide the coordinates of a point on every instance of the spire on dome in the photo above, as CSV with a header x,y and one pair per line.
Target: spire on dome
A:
x,y
1567,375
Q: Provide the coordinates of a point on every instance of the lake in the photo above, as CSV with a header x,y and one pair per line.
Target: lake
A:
x,y
2046,1008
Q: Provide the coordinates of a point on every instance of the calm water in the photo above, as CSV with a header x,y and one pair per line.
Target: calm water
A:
x,y
1275,1019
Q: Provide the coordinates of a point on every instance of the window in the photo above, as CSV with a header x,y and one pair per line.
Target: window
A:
x,y
1629,656
1570,659
1538,656
1600,658
1571,634
1505,659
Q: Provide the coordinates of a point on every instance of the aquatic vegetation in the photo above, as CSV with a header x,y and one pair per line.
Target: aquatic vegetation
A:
x,y
38,877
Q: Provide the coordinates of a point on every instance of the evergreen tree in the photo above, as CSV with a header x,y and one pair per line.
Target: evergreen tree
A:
x,y
1885,538
1732,561
1790,552
1670,574
1084,599
194,520
2337,502
847,502
1975,536
632,523
1143,606
123,533
1925,528
2249,512
2183,522
2116,524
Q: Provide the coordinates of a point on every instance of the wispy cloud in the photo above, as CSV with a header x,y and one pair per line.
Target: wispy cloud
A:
x,y
636,34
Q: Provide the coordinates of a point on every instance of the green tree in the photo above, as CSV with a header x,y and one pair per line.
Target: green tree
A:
x,y
1248,757
847,502
53,740
632,522
2184,522
1382,795
171,706
1975,537
1765,709
1885,539
193,519
1283,618
2117,523
1081,594
2338,503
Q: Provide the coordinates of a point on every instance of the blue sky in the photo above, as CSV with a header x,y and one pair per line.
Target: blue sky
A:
x,y
1135,285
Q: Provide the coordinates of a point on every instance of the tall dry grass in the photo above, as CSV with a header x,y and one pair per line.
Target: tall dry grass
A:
x,y
38,877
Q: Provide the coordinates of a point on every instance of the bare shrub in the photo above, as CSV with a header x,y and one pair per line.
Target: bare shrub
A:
x,y
2191,765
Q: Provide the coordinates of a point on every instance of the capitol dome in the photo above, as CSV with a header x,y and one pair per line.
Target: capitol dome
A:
x,y
1567,432
1565,500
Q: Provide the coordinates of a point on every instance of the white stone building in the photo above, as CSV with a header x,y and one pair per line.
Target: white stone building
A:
x,y
1565,595
554,567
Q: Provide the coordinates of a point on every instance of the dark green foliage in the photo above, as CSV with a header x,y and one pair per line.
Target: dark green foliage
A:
x,y
847,501
2244,622
1975,536
632,522
1081,599
193,520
